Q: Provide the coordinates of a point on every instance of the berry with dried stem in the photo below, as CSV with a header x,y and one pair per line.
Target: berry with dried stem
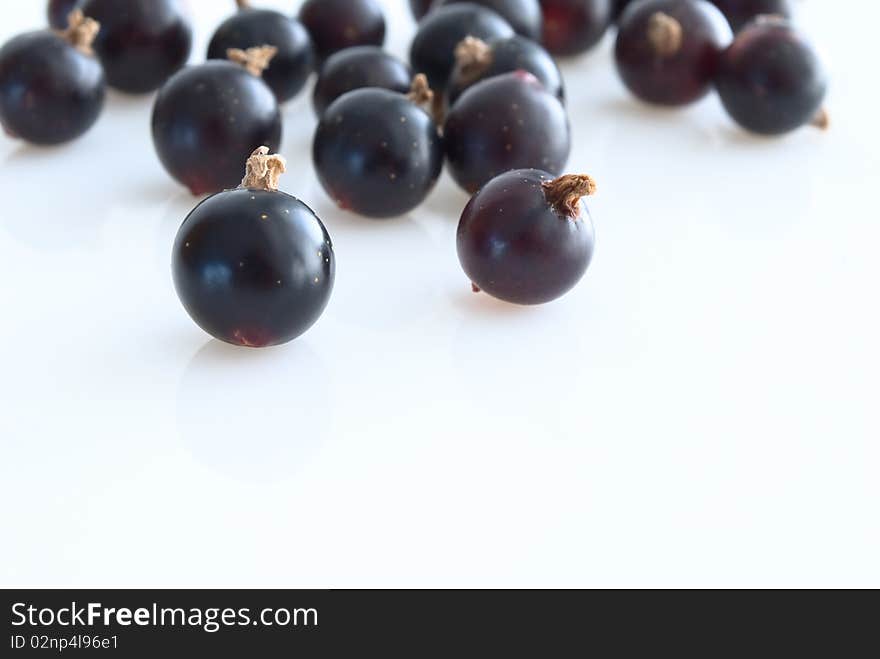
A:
x,y
527,237
254,266
52,87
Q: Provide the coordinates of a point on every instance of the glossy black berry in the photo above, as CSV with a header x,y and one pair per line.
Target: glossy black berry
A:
x,y
207,120
667,51
291,66
740,12
771,80
506,122
51,86
59,10
254,266
524,16
142,43
338,24
433,48
574,26
476,60
377,152
527,237
355,68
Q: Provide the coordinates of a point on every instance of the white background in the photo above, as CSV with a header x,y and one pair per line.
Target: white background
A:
x,y
701,411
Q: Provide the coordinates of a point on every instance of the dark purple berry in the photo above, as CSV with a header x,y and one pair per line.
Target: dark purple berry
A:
x,y
771,80
51,85
667,51
354,68
338,24
476,60
524,16
433,49
527,237
572,27
377,152
293,63
740,12
208,118
254,266
506,122
420,7
142,43
59,10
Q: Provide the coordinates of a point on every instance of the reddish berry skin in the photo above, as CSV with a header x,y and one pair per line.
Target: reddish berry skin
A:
x,y
253,268
208,119
524,16
291,66
58,11
356,68
508,55
741,12
339,24
678,76
574,26
377,153
770,79
502,123
141,43
49,91
433,48
515,246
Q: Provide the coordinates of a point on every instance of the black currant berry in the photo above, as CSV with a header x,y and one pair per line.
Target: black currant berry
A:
x,y
254,266
293,63
527,237
667,51
740,12
771,80
524,16
506,122
338,24
141,43
420,7
51,85
377,152
58,12
433,49
208,118
355,68
572,27
476,60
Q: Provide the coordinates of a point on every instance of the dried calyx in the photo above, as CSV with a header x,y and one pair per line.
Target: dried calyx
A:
x,y
243,4
564,193
421,94
822,120
263,170
665,34
81,31
472,58
254,60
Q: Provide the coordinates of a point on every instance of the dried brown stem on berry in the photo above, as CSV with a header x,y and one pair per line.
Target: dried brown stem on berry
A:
x,y
81,31
263,170
564,193
665,34
421,93
822,120
254,60
472,58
